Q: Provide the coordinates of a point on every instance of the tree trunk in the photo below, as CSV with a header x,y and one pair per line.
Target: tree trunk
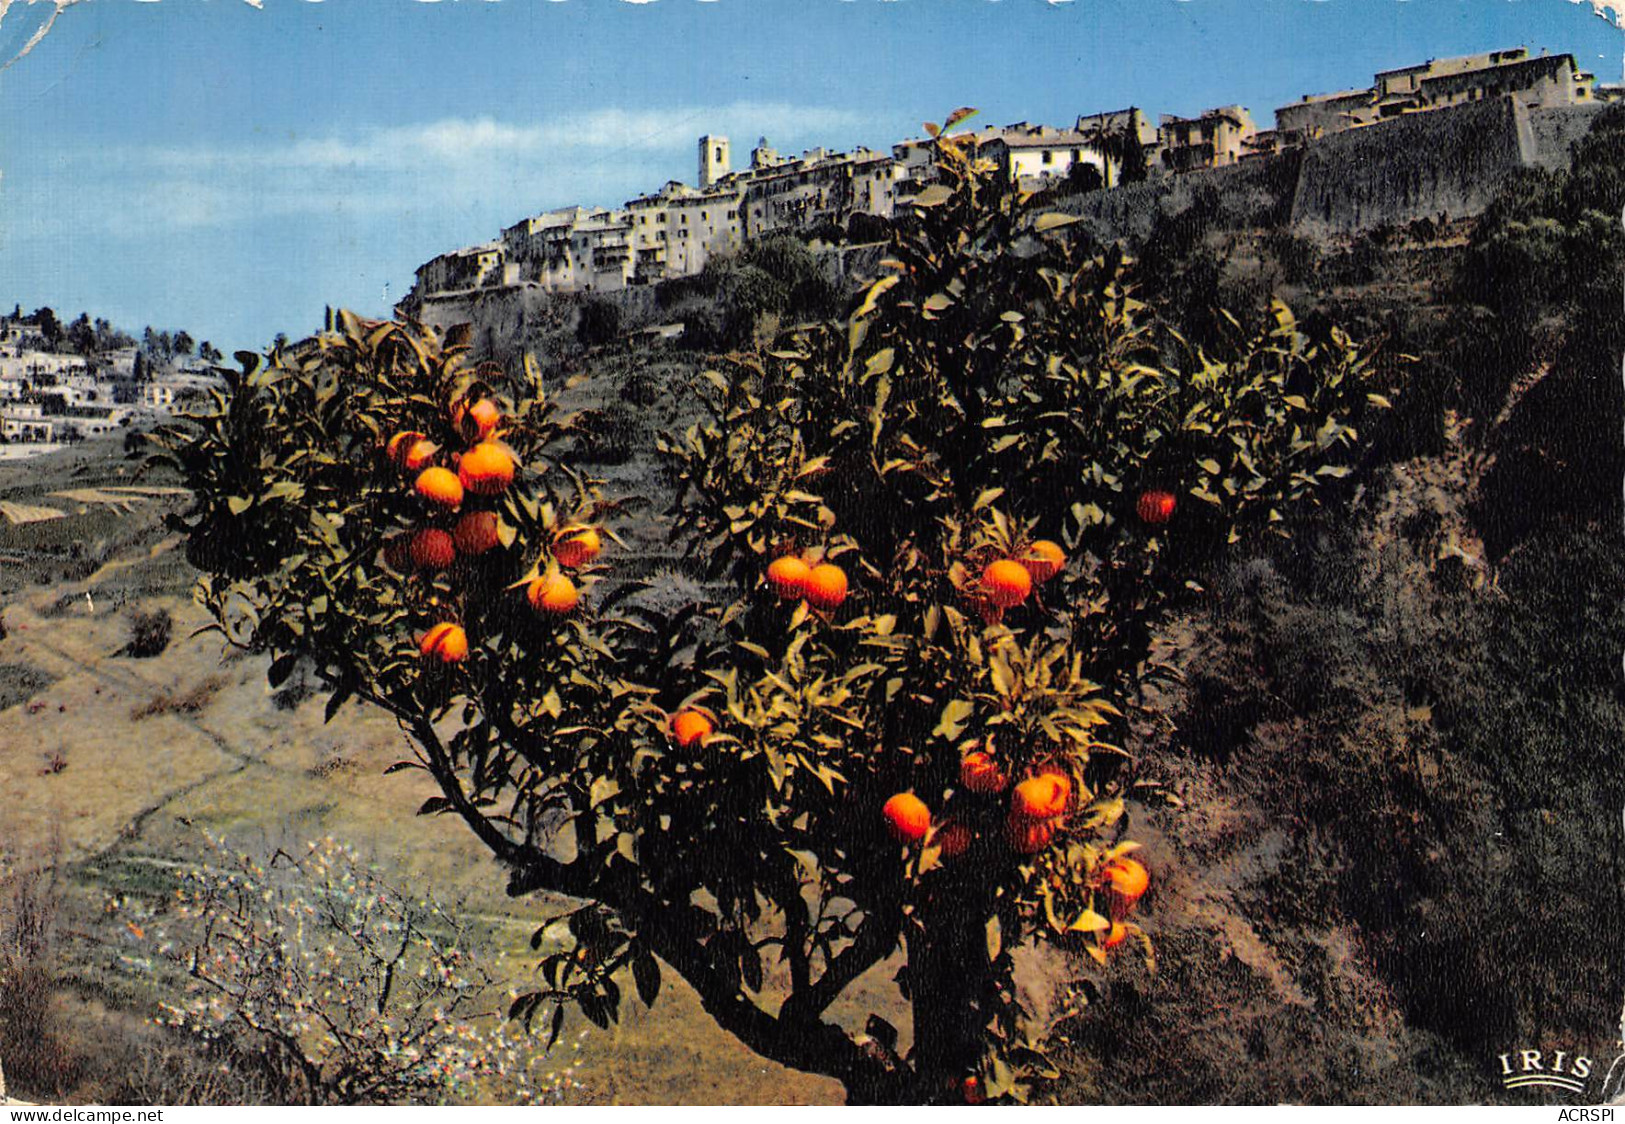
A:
x,y
948,973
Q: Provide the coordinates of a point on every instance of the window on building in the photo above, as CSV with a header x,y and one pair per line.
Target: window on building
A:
x,y
1049,157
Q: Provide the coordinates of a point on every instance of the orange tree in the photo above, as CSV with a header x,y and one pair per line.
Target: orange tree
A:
x,y
945,527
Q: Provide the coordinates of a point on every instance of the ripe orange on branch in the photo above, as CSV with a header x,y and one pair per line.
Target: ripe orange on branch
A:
x,y
477,421
476,532
1043,560
788,576
1128,881
445,642
954,838
1028,836
825,587
398,553
1006,583
433,549
980,773
1042,797
486,469
555,595
401,445
577,546
440,487
1156,507
907,817
691,726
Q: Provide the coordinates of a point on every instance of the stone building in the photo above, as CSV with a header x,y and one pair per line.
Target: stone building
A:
x,y
817,188
714,160
470,268
702,224
26,422
1544,81
1215,139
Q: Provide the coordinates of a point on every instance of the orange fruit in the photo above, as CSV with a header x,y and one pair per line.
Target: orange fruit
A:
x,y
440,487
691,726
398,553
477,421
446,642
1115,936
788,577
1042,797
418,455
907,817
1155,507
1006,583
432,549
486,469
556,594
476,532
577,546
978,772
971,1089
825,586
954,838
1043,560
399,444
1128,881
1028,836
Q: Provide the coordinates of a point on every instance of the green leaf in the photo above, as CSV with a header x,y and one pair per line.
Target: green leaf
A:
x,y
1053,220
646,975
1090,922
238,504
952,723
985,497
933,196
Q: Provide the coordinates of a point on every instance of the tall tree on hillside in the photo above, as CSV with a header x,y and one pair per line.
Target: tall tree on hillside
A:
x,y
81,336
183,342
49,326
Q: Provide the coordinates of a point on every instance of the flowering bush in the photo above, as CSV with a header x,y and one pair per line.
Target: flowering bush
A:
x,y
347,990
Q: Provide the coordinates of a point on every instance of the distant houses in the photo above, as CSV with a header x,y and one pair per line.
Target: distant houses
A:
x,y
50,397
676,230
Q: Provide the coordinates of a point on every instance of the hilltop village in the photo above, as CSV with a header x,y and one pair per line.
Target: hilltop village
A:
x,y
50,397
673,232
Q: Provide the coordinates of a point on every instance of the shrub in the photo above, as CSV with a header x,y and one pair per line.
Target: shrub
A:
x,y
33,1043
599,322
149,633
335,987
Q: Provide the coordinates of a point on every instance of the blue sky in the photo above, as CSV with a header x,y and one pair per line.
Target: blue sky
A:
x,y
231,168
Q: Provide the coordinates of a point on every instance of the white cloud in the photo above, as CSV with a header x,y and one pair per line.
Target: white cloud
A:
x,y
481,164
